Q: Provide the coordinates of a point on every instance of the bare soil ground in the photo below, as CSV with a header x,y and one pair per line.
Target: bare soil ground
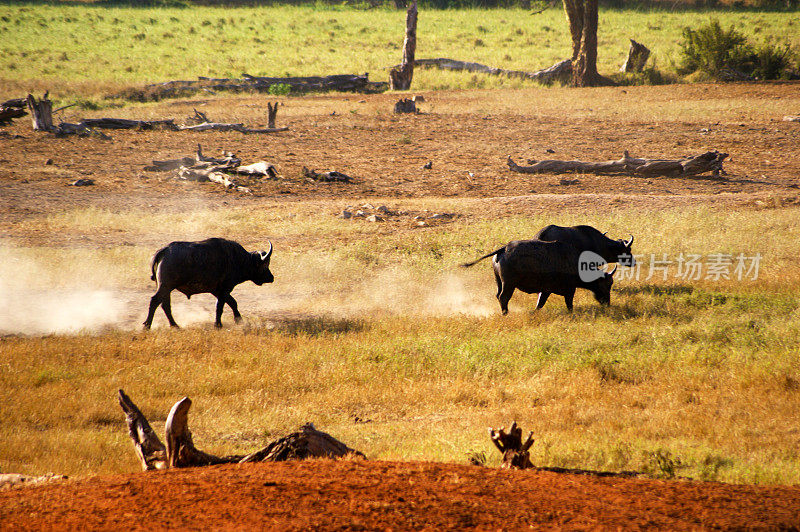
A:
x,y
363,495
467,138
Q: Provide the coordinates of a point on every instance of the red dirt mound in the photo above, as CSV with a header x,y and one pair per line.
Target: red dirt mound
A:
x,y
389,495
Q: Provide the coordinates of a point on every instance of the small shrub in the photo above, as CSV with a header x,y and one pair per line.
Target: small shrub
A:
x,y
711,49
279,89
727,55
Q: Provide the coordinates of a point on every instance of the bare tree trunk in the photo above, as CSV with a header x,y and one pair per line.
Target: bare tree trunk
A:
x,y
400,77
574,11
272,114
584,68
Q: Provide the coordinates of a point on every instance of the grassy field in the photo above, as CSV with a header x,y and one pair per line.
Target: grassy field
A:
x,y
91,50
377,337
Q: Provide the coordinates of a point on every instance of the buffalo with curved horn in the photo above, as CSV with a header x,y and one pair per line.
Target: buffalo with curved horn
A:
x,y
214,266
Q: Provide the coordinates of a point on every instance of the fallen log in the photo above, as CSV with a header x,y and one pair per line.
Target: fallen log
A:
x,y
560,71
516,454
327,177
179,451
123,123
707,162
7,114
791,118
298,85
216,126
261,168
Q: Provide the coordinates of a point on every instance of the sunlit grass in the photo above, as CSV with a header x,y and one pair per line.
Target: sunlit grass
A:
x,y
119,45
380,339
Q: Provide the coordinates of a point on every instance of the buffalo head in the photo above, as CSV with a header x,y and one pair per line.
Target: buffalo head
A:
x,y
602,287
261,259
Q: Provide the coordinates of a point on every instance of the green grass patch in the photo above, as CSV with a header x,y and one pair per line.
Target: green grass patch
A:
x,y
93,44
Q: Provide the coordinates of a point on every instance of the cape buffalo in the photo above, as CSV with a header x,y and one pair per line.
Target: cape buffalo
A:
x,y
587,238
545,267
214,266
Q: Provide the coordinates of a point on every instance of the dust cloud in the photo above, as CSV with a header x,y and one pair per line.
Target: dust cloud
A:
x,y
37,298
33,301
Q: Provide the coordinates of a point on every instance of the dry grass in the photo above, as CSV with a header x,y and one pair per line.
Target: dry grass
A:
x,y
378,338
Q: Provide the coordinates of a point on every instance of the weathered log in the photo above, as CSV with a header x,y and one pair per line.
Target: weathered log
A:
x,y
707,162
170,164
64,129
790,118
18,103
124,123
151,452
261,168
7,114
180,451
183,88
400,76
327,177
637,58
560,71
216,126
41,112
516,454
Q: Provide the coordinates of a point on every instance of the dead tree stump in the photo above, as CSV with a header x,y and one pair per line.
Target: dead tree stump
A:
x,y
41,112
272,110
400,76
637,58
515,452
405,105
180,451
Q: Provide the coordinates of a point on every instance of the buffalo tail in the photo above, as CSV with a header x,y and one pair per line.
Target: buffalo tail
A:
x,y
495,252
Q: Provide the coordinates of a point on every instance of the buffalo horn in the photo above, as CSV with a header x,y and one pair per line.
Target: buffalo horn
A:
x,y
629,243
612,272
269,253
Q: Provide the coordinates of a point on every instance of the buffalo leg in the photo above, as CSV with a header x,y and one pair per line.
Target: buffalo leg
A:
x,y
155,301
234,307
568,299
220,307
542,299
504,296
166,304
499,284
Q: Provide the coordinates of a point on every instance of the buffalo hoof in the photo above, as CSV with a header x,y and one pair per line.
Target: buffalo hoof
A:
x,y
218,326
146,326
237,319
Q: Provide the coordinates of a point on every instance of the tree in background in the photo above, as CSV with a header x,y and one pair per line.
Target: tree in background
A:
x,y
582,18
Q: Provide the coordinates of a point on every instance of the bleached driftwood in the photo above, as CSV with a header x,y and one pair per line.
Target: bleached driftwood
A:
x,y
401,75
560,71
261,168
179,451
790,118
516,454
637,58
707,162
